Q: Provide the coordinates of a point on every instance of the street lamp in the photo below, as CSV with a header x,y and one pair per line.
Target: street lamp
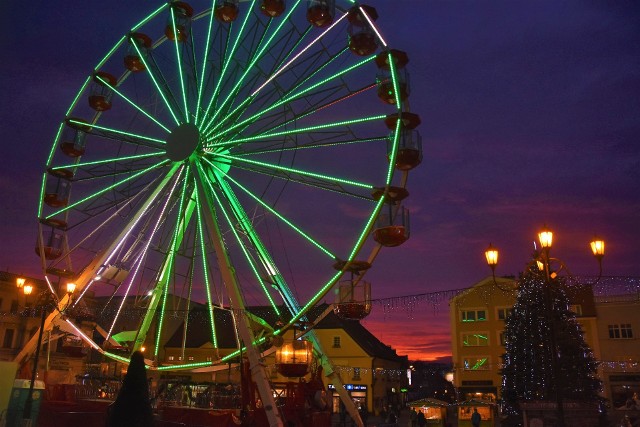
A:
x,y
44,299
543,262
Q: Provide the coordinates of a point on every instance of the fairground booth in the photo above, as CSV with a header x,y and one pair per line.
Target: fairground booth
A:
x,y
434,410
487,410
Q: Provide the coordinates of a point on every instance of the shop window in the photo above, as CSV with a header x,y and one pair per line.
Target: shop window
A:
x,y
474,315
503,313
479,363
480,339
336,342
621,331
8,338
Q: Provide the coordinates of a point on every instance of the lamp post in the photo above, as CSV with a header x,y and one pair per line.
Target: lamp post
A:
x,y
543,261
45,298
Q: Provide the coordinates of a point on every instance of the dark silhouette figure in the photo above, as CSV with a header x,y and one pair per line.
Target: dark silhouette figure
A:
x,y
475,418
132,407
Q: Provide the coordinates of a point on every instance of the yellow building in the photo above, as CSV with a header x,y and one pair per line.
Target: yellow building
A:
x,y
618,325
371,371
477,319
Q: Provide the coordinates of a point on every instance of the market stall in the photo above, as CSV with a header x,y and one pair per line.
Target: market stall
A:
x,y
488,412
434,410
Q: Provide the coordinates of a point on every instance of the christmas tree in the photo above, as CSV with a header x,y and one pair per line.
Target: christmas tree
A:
x,y
541,322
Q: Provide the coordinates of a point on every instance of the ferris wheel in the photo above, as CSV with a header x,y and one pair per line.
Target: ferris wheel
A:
x,y
249,153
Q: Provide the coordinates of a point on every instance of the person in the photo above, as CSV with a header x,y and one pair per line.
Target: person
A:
x,y
475,418
421,420
132,407
413,418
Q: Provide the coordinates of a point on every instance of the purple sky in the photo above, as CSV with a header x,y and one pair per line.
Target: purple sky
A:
x,y
530,111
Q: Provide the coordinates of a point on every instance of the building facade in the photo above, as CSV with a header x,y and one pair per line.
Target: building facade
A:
x,y
618,324
477,319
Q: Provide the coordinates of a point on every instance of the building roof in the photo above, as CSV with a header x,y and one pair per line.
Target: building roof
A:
x,y
199,329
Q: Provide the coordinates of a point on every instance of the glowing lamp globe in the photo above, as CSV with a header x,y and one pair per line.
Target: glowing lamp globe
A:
x,y
546,238
492,256
294,358
597,247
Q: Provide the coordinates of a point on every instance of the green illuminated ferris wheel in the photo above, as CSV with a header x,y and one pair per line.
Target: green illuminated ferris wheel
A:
x,y
247,153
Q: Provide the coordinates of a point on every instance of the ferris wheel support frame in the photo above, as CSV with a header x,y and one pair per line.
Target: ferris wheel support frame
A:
x,y
256,367
289,298
86,277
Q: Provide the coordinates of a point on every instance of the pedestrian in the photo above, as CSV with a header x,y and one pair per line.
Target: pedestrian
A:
x,y
422,421
413,418
132,407
475,418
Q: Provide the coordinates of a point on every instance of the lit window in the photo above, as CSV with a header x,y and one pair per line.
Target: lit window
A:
x,y
577,309
356,373
171,358
209,358
621,331
474,315
503,313
475,340
8,338
479,363
336,342
190,358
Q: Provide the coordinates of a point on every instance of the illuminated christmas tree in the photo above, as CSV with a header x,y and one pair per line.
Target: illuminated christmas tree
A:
x,y
541,321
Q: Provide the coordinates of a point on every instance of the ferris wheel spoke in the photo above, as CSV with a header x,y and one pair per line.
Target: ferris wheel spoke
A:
x,y
305,130
227,60
176,44
292,145
282,68
122,136
205,58
163,89
280,216
260,51
288,173
109,188
130,102
236,208
292,95
230,117
107,161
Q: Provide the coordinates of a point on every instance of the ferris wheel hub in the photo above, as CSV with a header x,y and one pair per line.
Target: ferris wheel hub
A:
x,y
182,142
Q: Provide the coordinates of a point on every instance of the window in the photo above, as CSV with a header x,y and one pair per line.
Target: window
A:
x,y
577,309
336,342
621,331
0,304
474,315
479,363
356,373
503,313
502,338
14,306
171,358
190,358
475,340
209,358
8,339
